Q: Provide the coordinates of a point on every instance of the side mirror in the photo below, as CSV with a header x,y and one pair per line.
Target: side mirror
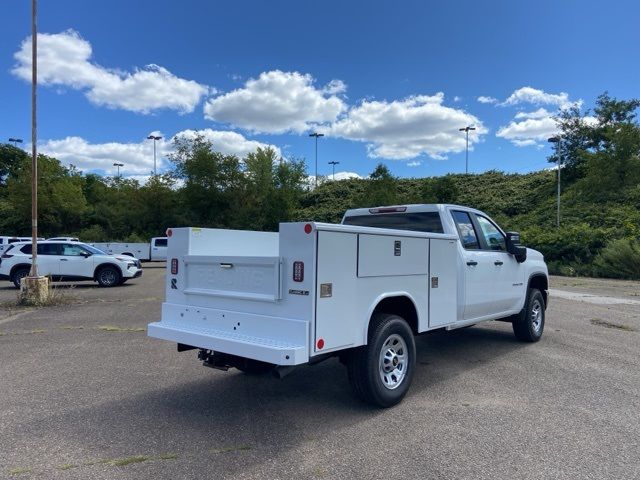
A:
x,y
86,254
515,248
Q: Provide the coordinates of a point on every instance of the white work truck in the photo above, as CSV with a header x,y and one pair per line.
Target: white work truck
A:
x,y
156,251
360,290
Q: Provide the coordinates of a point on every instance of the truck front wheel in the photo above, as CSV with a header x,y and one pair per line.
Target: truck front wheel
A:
x,y
529,324
381,371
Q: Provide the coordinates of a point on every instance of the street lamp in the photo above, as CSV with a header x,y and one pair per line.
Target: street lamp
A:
x,y
466,129
118,165
15,141
333,164
316,135
154,138
558,142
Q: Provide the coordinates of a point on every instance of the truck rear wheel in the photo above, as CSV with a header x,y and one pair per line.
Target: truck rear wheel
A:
x,y
529,324
381,371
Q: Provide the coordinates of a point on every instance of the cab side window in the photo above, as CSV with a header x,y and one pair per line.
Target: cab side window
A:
x,y
493,237
466,230
161,242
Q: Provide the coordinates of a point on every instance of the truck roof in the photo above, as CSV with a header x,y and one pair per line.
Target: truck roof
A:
x,y
410,208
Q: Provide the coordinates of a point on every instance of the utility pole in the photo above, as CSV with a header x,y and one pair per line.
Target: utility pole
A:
x,y
154,138
34,139
15,141
316,135
333,164
466,129
558,141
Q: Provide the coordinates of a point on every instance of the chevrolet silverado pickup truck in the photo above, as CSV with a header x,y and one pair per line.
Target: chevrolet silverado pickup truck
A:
x,y
359,290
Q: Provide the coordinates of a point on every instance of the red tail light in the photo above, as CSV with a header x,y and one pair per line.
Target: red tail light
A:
x,y
174,266
298,271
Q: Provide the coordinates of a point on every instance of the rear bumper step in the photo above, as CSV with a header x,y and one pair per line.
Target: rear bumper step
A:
x,y
257,348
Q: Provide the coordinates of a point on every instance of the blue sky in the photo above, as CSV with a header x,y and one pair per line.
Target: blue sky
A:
x,y
385,81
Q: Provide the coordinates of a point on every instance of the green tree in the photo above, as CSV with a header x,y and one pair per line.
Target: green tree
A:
x,y
213,182
61,202
381,189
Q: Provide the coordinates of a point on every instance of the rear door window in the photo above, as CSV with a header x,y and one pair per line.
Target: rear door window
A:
x,y
466,230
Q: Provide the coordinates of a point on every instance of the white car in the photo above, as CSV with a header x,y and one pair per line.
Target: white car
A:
x,y
68,261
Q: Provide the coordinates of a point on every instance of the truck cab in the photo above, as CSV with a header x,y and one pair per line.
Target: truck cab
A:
x,y
483,255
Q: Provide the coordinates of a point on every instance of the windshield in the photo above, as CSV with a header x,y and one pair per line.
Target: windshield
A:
x,y
94,250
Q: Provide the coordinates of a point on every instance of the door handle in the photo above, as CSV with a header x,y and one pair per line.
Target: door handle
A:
x,y
472,263
226,265
64,260
498,262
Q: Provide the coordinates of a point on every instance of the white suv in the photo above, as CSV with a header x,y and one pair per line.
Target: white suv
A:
x,y
68,261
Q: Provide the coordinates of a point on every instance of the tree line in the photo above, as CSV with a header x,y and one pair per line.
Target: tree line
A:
x,y
599,232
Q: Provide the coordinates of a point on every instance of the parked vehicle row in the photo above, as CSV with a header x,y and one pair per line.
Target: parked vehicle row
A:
x,y
68,261
360,290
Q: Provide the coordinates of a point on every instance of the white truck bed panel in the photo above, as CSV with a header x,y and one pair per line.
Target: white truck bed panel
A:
x,y
269,339
443,286
250,278
385,255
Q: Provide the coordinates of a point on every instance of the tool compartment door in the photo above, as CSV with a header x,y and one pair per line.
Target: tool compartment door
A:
x,y
337,317
443,282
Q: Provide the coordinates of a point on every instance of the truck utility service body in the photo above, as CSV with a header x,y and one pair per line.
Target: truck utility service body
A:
x,y
156,251
314,289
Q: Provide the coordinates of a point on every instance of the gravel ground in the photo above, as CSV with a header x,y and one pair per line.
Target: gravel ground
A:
x,y
85,394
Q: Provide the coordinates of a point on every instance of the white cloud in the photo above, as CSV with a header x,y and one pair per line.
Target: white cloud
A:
x,y
530,131
227,142
540,113
138,157
405,129
278,102
485,99
415,163
457,99
537,97
64,59
346,175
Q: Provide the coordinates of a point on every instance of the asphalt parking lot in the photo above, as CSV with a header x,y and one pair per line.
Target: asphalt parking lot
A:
x,y
85,394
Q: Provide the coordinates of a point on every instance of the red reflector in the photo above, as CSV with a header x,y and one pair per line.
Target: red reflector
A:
x,y
174,266
298,271
169,232
308,228
320,344
388,210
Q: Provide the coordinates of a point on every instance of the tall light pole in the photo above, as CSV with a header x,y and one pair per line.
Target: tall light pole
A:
x,y
466,129
316,135
333,164
118,165
34,139
558,142
15,141
154,138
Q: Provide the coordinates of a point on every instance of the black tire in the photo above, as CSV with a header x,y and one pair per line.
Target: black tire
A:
x,y
254,367
18,275
108,276
367,365
529,324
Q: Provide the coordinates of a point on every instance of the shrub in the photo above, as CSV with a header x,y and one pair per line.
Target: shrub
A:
x,y
619,259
